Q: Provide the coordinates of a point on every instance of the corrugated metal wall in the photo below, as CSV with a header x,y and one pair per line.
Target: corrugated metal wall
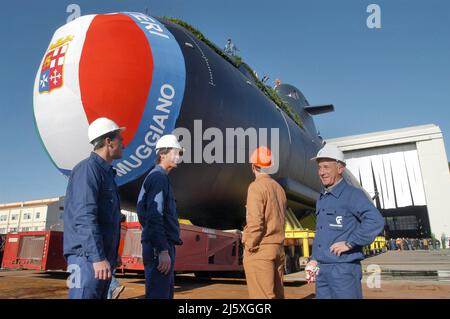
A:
x,y
393,172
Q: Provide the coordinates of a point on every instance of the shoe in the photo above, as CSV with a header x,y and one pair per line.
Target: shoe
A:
x,y
117,291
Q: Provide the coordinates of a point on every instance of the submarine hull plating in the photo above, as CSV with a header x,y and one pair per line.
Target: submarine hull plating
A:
x,y
177,83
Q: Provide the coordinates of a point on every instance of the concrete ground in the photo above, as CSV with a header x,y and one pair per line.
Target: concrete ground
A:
x,y
416,260
404,275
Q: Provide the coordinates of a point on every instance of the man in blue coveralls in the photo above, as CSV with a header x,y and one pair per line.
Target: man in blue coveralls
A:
x,y
92,214
346,220
158,216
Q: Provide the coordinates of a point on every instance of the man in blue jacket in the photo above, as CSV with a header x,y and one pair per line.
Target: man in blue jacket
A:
x,y
158,216
92,214
346,220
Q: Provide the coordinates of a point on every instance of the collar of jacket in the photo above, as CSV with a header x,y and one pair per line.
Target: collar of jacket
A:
x,y
263,176
336,191
161,169
100,161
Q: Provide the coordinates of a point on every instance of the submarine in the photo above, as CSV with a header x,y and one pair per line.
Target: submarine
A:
x,y
156,76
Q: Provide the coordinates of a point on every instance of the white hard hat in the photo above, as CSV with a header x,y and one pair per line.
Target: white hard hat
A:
x,y
168,141
330,151
102,126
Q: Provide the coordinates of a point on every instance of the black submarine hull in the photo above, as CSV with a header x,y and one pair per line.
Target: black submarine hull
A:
x,y
221,96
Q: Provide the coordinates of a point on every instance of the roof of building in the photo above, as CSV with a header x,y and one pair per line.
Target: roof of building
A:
x,y
391,137
38,202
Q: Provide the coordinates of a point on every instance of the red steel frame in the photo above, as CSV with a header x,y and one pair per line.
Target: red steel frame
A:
x,y
51,257
203,249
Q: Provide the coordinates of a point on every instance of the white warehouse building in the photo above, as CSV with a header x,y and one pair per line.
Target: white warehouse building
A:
x,y
408,171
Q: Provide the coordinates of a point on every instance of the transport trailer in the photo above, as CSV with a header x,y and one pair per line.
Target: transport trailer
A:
x,y
207,250
2,246
203,249
36,250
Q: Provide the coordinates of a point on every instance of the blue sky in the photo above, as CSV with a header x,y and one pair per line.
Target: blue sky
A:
x,y
378,79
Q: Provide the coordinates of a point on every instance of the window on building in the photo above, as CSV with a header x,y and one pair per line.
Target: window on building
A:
x,y
402,223
14,217
3,218
37,215
27,216
25,229
13,230
2,230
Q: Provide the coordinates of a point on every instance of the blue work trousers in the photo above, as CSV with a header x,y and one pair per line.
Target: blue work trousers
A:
x,y
82,282
157,284
339,281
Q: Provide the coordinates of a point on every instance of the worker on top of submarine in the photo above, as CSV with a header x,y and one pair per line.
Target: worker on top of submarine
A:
x,y
230,48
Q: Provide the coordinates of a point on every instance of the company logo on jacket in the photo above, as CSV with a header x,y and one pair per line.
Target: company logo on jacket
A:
x,y
338,222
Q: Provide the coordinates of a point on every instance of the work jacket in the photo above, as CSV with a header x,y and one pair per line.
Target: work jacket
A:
x,y
157,211
92,211
345,213
266,207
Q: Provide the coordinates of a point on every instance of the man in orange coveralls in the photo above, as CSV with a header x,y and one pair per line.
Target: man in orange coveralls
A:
x,y
263,235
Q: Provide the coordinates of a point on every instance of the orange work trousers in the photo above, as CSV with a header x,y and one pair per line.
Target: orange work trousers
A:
x,y
264,271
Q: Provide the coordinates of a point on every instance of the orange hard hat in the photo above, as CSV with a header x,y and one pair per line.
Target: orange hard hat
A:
x,y
261,157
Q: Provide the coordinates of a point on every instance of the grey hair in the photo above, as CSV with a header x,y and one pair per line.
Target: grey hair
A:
x,y
341,163
99,142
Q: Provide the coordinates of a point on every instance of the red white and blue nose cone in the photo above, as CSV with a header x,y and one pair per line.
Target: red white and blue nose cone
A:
x,y
127,67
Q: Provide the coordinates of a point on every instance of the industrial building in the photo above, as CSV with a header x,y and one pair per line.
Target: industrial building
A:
x,y
38,215
407,172
35,215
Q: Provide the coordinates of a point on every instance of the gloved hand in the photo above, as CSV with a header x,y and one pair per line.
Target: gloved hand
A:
x,y
311,270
